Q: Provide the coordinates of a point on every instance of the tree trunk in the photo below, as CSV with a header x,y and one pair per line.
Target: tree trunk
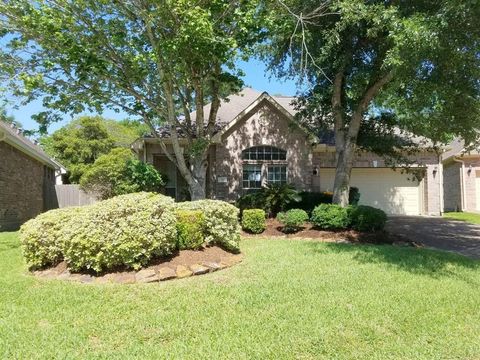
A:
x,y
342,174
198,183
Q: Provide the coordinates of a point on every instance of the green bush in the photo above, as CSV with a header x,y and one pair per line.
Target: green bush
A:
x,y
309,200
42,237
118,173
190,229
367,218
292,220
278,197
253,200
125,231
221,222
253,220
330,217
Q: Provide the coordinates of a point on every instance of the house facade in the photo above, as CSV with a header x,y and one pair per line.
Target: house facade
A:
x,y
461,178
27,179
259,142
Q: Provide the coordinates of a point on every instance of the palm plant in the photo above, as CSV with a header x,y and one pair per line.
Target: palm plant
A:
x,y
278,196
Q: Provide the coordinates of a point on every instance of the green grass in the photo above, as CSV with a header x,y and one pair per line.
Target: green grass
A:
x,y
464,216
288,299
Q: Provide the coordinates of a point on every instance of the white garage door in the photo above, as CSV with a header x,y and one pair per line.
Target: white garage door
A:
x,y
389,190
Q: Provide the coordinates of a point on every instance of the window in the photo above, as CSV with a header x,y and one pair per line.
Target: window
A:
x,y
277,174
252,176
264,153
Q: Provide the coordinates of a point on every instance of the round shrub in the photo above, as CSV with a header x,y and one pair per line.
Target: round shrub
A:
x,y
292,220
253,220
42,237
221,222
125,231
190,229
367,218
330,217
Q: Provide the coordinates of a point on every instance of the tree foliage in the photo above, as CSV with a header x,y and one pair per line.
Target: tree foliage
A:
x,y
153,60
118,173
79,144
380,69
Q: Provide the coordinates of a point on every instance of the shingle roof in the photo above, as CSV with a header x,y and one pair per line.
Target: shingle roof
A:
x,y
16,136
229,109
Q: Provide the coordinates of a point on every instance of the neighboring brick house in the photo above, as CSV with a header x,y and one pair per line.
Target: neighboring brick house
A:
x,y
259,142
27,179
461,173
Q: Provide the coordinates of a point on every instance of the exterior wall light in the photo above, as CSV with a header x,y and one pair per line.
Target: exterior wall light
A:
x,y
315,170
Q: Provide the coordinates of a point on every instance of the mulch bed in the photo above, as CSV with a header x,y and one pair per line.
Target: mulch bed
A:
x,y
181,264
274,229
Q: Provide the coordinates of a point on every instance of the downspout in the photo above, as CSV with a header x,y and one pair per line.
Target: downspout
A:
x,y
463,195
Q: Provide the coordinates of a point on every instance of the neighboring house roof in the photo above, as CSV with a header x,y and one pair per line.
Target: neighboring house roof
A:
x,y
14,137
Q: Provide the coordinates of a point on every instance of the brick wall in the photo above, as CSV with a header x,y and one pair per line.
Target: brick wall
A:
x,y
451,187
22,183
265,125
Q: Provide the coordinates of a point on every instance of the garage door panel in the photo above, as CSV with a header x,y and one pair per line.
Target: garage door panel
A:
x,y
383,188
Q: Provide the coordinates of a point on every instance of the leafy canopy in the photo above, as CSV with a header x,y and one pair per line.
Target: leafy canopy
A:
x,y
78,144
425,54
118,173
125,55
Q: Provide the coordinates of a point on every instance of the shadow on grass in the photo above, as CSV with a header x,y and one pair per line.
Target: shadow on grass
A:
x,y
415,260
8,241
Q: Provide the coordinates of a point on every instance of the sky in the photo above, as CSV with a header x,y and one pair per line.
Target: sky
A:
x,y
256,76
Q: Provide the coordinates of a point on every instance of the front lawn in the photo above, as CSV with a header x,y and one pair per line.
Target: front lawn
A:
x,y
464,216
289,299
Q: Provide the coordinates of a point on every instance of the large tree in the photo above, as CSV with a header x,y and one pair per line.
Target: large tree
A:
x,y
158,60
376,67
79,144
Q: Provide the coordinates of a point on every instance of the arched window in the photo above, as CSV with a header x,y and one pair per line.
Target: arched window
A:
x,y
264,153
263,165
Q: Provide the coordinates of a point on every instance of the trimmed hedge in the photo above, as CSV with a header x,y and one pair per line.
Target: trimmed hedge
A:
x,y
42,238
190,229
330,217
292,220
125,231
221,222
253,220
367,218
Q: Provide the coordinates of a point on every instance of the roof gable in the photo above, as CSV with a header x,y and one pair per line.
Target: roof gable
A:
x,y
287,111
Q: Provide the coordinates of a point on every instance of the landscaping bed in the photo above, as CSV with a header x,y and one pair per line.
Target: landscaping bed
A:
x,y
140,237
181,264
309,231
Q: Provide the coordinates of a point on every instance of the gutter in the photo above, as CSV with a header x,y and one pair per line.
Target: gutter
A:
x,y
463,194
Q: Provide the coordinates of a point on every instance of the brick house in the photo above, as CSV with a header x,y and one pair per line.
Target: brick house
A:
x,y
461,173
259,142
27,179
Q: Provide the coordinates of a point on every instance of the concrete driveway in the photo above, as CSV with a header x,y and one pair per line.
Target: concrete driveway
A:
x,y
438,233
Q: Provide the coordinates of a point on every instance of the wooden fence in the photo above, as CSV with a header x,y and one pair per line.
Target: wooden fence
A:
x,y
72,195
